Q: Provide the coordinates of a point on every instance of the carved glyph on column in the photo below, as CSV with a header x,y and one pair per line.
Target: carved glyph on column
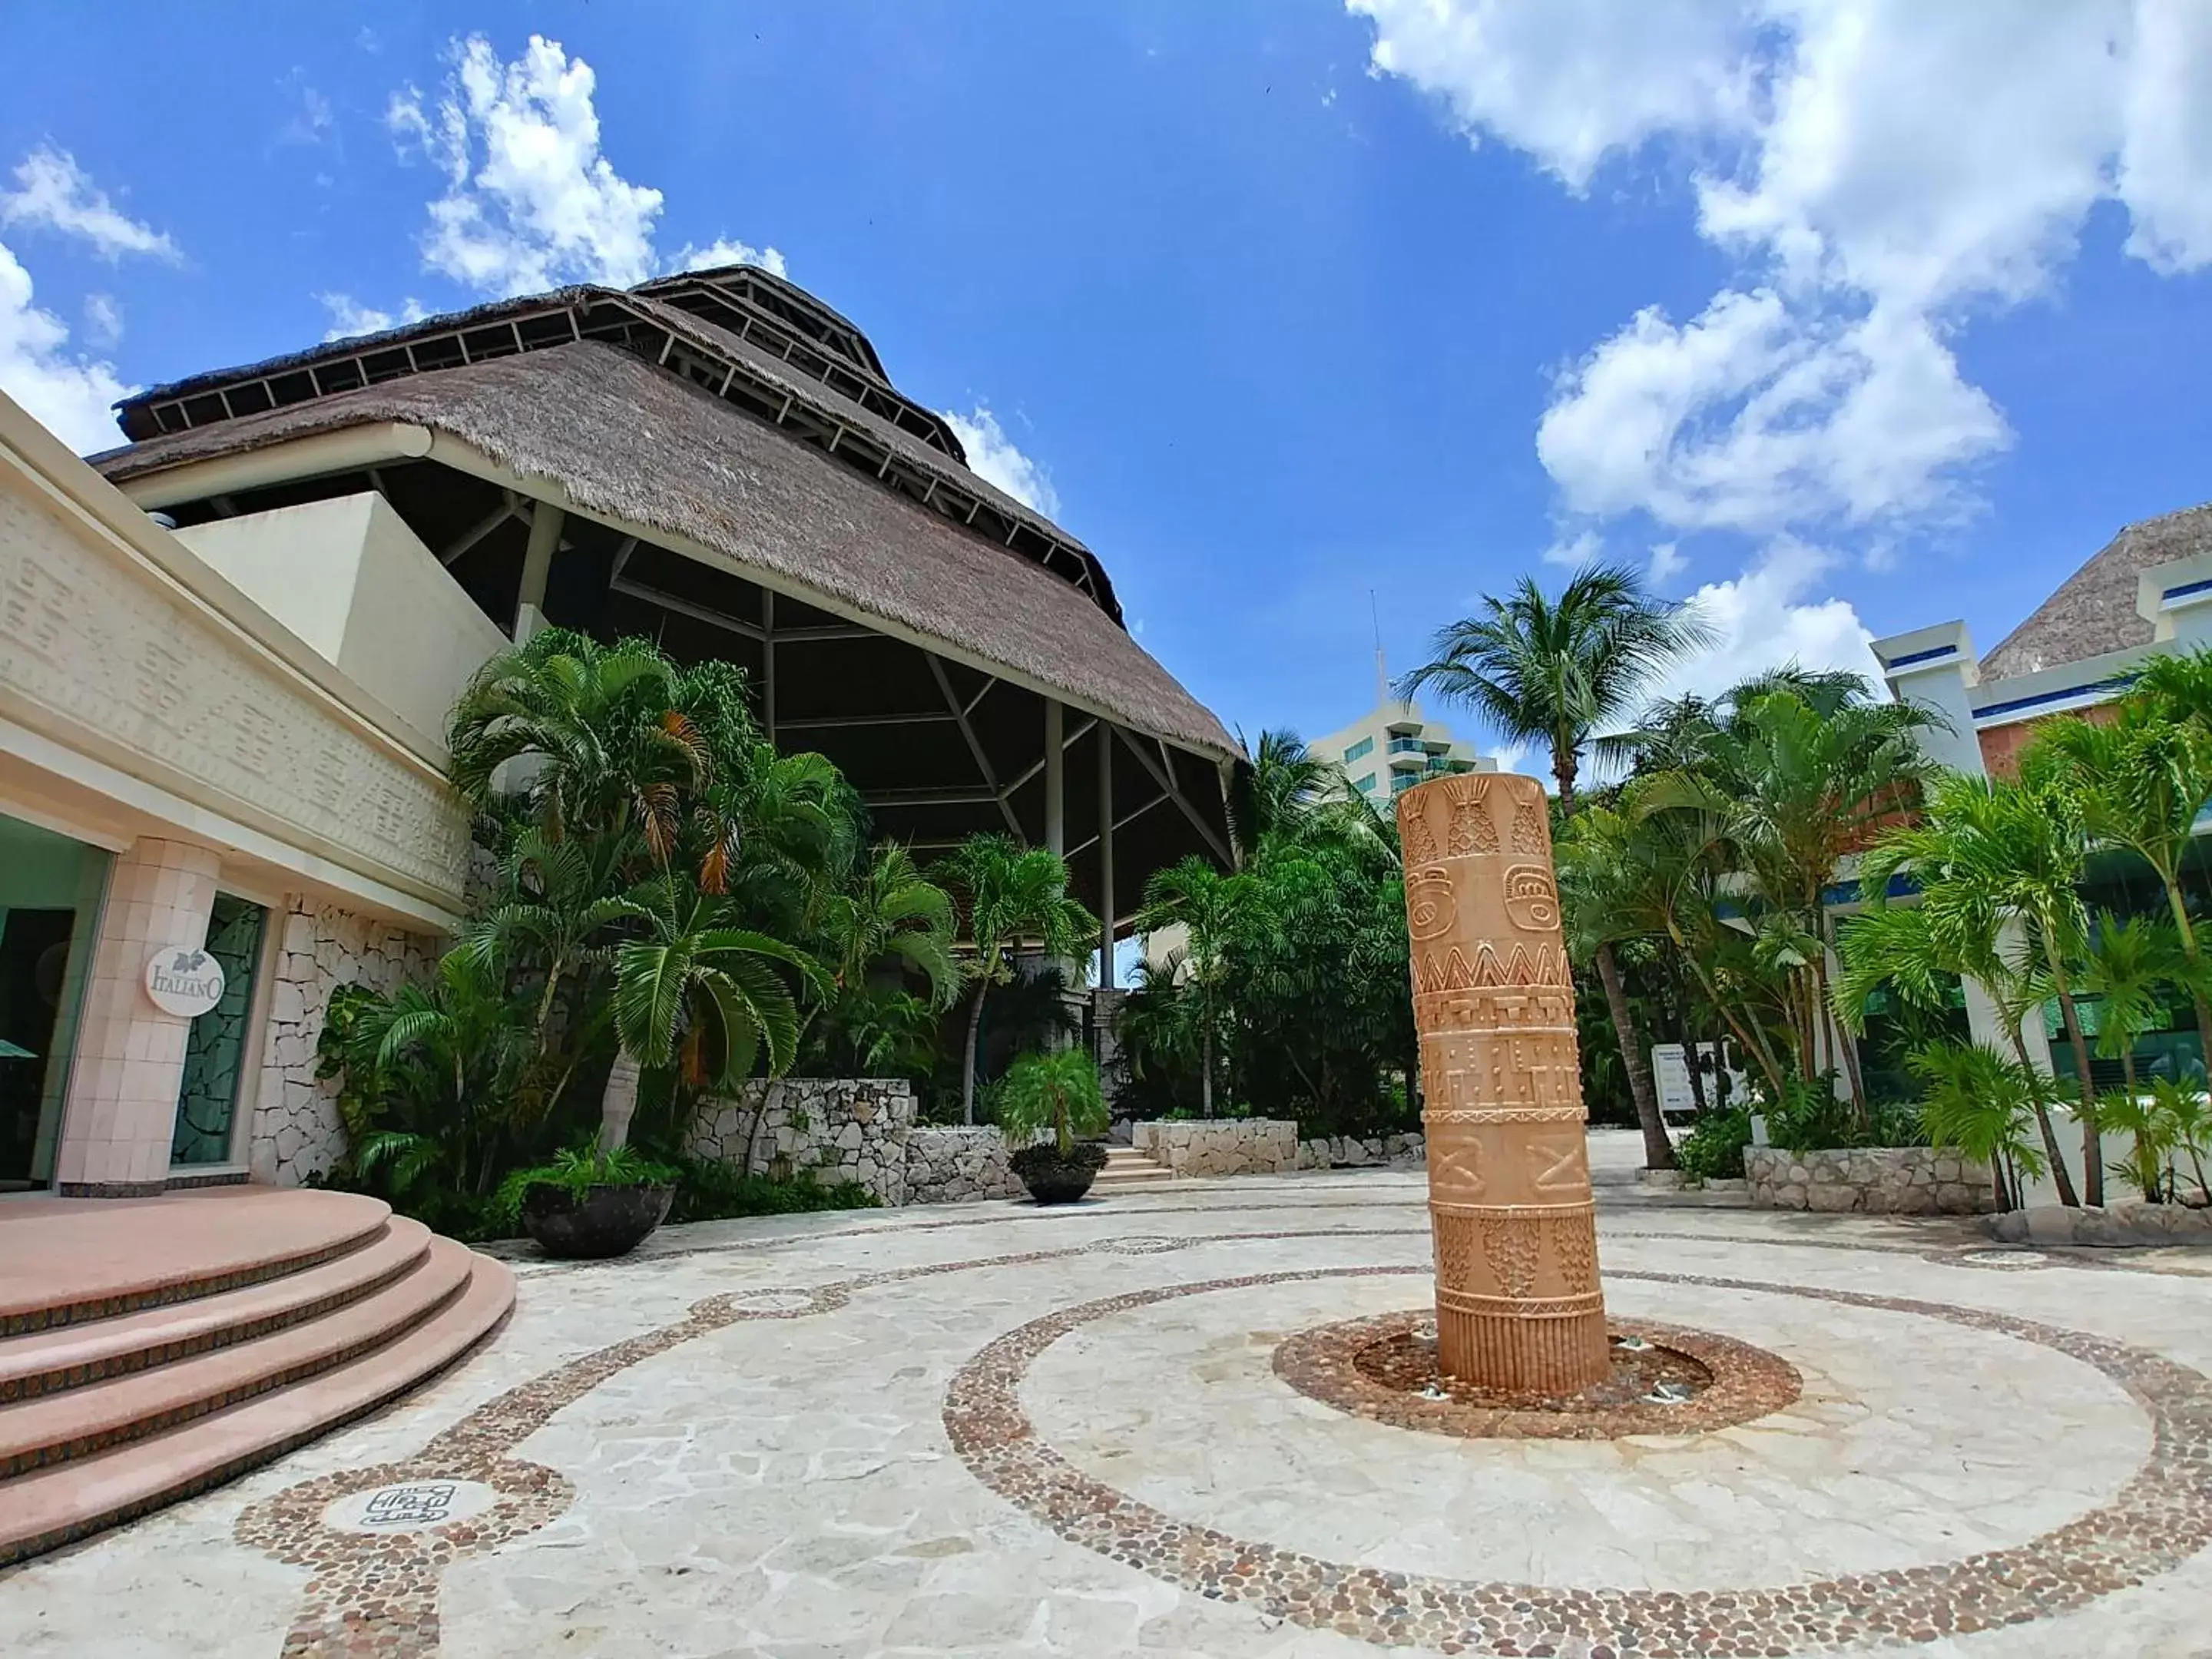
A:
x,y
1517,1299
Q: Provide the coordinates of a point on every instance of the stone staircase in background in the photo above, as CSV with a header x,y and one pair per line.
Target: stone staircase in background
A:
x,y
151,1348
1128,1169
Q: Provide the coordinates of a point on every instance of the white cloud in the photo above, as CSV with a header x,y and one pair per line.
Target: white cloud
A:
x,y
1761,414
727,251
103,319
1571,81
70,395
349,318
1765,619
53,193
993,458
1881,172
1667,562
2167,156
530,201
1573,552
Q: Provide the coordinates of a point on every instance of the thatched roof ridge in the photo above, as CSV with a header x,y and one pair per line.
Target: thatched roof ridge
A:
x,y
647,448
792,294
718,339
492,311
2093,610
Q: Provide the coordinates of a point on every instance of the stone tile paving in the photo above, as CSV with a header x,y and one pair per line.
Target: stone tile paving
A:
x,y
1005,1432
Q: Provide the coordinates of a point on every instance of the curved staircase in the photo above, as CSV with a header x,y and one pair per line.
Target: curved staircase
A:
x,y
151,1348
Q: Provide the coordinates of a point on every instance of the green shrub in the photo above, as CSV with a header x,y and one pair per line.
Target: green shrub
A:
x,y
715,1192
576,1171
1057,1092
1713,1150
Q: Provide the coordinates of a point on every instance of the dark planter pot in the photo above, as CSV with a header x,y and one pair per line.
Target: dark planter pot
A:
x,y
606,1221
1052,1179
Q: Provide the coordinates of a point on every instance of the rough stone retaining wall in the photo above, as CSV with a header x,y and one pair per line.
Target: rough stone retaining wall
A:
x,y
1219,1146
296,1131
1872,1180
947,1165
2112,1225
1350,1151
855,1129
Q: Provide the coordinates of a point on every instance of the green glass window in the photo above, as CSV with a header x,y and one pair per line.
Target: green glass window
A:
x,y
1359,750
216,1049
1364,783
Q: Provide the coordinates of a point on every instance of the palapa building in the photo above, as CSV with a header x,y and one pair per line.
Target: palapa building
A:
x,y
224,672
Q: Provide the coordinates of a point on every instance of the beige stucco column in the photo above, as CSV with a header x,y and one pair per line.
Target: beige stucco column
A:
x,y
121,1115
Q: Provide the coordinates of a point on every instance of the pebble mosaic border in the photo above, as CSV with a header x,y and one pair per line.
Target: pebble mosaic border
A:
x,y
375,1595
1747,1383
2159,1518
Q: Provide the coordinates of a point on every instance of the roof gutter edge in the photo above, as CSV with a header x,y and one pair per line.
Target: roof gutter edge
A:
x,y
348,450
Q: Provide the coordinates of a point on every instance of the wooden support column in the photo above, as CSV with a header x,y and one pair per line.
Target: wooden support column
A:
x,y
537,568
1105,858
1055,769
768,663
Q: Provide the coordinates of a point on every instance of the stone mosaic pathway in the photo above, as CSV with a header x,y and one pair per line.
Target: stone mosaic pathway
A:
x,y
994,1431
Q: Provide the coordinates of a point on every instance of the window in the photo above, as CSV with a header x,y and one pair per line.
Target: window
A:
x,y
1401,782
1366,782
1408,746
1359,750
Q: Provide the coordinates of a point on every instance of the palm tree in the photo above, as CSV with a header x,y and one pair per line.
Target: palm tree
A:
x,y
2129,965
556,902
2141,778
890,915
1987,855
1626,876
1194,896
1011,895
1798,768
695,990
1976,1100
1557,671
459,1035
1560,670
1283,785
594,738
1921,954
1057,1092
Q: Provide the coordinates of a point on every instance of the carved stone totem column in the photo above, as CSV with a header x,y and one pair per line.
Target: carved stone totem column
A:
x,y
1517,1300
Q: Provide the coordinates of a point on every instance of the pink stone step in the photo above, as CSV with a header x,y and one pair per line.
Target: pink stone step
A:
x,y
79,1422
62,1260
91,1351
64,1502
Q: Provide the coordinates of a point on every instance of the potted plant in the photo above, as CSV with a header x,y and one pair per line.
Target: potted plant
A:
x,y
589,1203
1058,1093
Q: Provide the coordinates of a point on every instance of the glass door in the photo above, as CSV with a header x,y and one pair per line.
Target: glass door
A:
x,y
50,891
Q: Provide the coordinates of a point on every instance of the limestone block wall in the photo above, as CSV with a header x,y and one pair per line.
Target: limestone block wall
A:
x,y
945,1165
2115,1225
1871,1180
1219,1146
1351,1151
296,1131
852,1129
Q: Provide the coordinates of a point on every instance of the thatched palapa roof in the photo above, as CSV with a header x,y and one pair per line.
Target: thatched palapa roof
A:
x,y
2093,610
775,462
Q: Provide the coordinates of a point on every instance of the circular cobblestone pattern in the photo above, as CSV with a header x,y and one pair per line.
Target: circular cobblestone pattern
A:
x,y
2159,1518
1383,1368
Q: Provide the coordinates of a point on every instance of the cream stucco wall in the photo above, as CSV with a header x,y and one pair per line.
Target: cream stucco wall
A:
x,y
151,707
144,694
354,583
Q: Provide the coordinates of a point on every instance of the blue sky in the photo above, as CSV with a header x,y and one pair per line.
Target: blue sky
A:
x,y
1844,315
